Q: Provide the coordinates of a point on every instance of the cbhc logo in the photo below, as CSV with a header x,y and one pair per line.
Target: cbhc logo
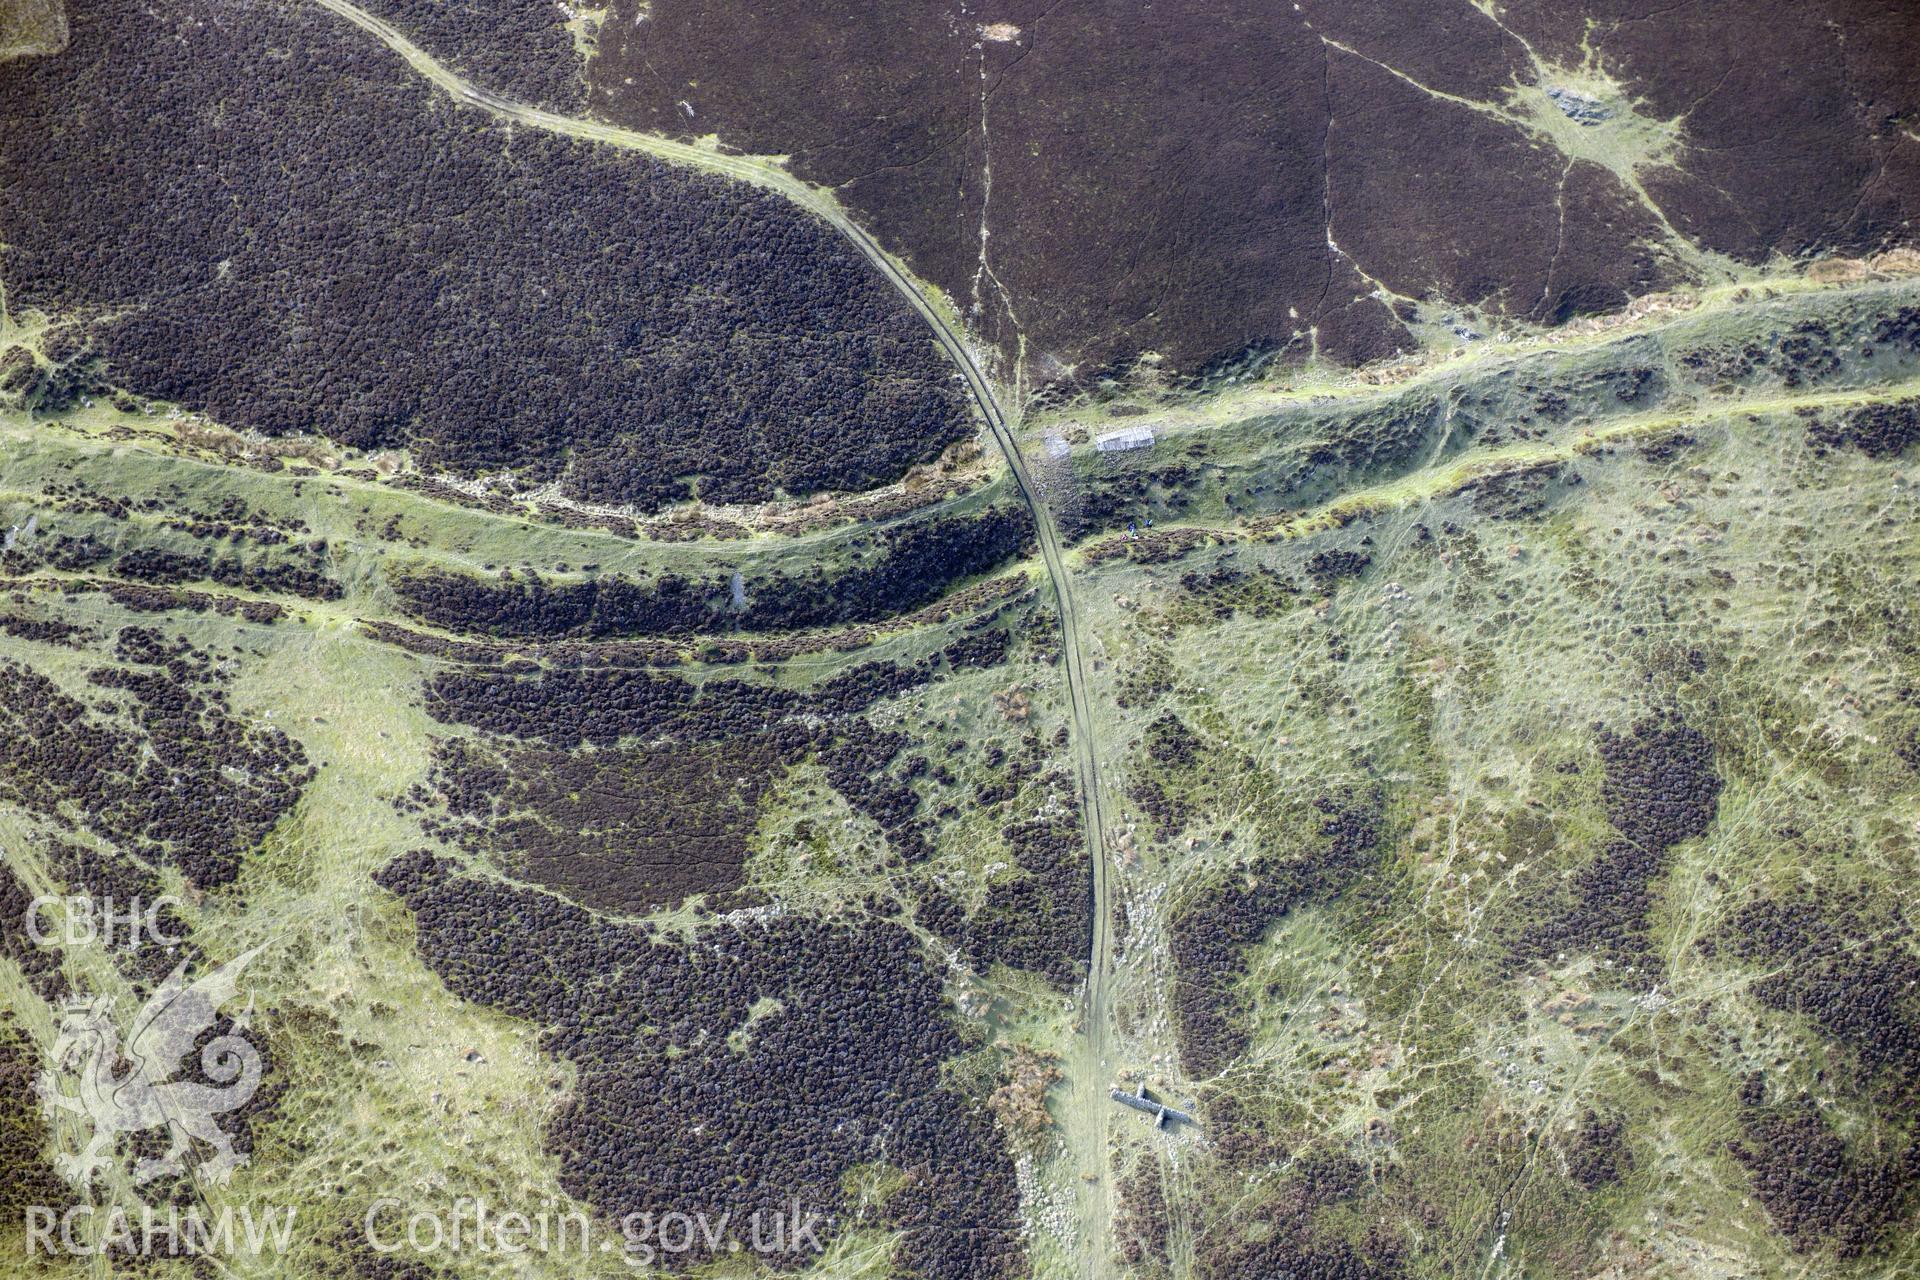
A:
x,y
80,920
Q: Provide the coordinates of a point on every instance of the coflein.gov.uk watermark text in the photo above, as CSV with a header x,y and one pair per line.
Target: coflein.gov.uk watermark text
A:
x,y
391,1226
641,1239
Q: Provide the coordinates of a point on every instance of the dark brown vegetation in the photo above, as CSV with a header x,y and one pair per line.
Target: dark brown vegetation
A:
x,y
1226,590
982,645
64,552
1660,789
1113,489
1160,792
39,965
1040,918
1846,965
47,630
111,879
1110,234
1819,1193
26,1173
1849,969
1141,1224
622,828
1213,929
900,569
1877,430
1327,568
628,790
1518,494
521,48
309,580
1864,341
602,706
275,223
353,1258
525,606
625,789
138,598
685,1096
232,519
1171,179
157,764
1598,1153
1764,169
1283,1198
1293,1246
47,389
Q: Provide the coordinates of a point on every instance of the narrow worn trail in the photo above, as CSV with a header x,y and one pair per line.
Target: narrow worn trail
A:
x,y
1090,1067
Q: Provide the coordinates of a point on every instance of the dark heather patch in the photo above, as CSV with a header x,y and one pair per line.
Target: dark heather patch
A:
x,y
1168,179
1847,968
1820,1194
622,789
1327,568
1213,930
1516,495
112,878
905,568
520,48
1141,1223
1292,1246
304,576
1038,919
623,829
1282,140
26,1174
627,790
1877,430
162,767
271,219
1156,175
686,1097
1598,1154
39,965
1437,197
1660,789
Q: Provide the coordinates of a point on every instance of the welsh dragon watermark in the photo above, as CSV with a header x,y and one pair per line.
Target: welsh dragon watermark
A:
x,y
146,1095
119,1084
183,1060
